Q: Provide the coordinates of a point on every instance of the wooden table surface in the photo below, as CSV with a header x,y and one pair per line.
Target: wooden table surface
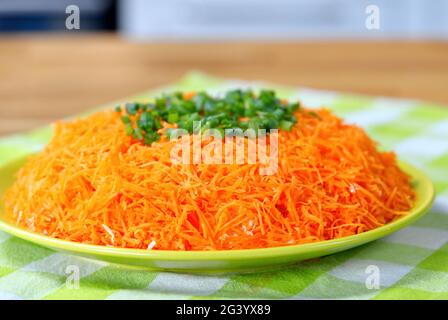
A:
x,y
47,77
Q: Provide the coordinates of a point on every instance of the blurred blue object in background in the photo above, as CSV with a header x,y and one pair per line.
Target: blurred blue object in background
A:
x,y
50,15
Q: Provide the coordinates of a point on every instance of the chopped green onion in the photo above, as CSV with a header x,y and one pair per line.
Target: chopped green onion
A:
x,y
132,108
128,129
125,119
315,115
151,137
173,117
137,134
263,111
286,125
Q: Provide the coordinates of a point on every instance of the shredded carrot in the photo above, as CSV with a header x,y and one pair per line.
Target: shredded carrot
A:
x,y
94,184
189,95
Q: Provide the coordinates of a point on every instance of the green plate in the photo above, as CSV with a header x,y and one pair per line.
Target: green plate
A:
x,y
224,260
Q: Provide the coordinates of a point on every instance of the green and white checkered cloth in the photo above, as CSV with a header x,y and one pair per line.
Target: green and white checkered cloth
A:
x,y
412,263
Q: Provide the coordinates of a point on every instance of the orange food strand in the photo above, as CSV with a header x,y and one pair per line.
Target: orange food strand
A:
x,y
93,184
188,95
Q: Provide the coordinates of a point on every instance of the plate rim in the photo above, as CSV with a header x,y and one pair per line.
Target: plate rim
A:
x,y
420,209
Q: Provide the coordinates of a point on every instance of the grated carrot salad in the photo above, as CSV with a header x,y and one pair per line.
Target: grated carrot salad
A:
x,y
93,184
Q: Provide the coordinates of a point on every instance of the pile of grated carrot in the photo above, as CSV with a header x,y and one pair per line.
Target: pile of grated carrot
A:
x,y
93,184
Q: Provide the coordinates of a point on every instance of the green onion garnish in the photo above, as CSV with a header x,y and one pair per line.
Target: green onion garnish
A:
x,y
263,111
126,119
132,108
285,125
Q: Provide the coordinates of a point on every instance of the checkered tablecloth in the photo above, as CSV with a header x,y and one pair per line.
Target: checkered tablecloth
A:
x,y
412,263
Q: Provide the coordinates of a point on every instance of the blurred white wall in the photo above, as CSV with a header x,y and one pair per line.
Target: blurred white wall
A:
x,y
284,19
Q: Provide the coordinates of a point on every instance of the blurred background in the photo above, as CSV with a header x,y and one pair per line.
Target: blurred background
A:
x,y
52,66
233,19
